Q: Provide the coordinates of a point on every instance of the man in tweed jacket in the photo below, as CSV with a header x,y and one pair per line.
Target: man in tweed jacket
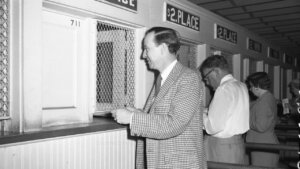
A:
x,y
170,126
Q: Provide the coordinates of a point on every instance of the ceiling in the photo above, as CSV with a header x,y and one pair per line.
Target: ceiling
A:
x,y
278,21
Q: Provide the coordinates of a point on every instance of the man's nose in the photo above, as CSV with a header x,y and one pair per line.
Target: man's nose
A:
x,y
144,55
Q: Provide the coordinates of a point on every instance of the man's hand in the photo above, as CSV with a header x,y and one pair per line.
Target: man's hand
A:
x,y
122,116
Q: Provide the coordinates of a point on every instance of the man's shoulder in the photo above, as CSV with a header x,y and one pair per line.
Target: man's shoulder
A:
x,y
188,72
234,84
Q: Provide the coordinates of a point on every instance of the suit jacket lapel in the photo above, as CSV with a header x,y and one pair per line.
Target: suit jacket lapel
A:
x,y
150,99
173,76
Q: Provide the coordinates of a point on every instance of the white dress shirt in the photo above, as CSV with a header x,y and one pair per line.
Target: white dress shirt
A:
x,y
228,112
165,73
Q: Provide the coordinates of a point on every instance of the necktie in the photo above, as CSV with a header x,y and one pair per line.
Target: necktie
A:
x,y
157,84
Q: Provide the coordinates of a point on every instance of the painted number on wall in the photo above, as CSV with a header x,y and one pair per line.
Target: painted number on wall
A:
x,y
75,22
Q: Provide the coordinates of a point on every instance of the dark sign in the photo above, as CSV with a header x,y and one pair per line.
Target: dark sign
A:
x,y
182,17
226,34
129,4
289,59
254,45
273,53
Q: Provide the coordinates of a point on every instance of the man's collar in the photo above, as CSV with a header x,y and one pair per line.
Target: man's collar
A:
x,y
225,78
165,73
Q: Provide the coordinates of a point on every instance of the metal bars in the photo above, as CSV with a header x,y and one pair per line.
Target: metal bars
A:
x,y
114,67
4,59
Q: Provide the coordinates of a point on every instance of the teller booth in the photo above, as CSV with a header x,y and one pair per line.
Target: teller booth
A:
x,y
234,62
90,69
251,65
187,54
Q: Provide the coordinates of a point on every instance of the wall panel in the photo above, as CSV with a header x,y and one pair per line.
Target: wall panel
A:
x,y
109,150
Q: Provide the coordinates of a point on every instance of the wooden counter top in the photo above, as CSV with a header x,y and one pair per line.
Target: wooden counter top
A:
x,y
98,124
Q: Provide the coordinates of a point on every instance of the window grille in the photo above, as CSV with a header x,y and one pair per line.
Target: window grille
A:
x,y
4,59
253,66
187,55
114,67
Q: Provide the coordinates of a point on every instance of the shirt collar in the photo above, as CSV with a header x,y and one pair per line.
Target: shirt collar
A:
x,y
225,78
165,73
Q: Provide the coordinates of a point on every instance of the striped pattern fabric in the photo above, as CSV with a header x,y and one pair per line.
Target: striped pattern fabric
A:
x,y
172,124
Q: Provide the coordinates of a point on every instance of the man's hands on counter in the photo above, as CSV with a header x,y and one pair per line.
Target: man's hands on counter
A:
x,y
123,116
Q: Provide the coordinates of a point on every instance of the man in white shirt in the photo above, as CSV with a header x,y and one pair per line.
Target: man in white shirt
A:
x,y
228,112
169,129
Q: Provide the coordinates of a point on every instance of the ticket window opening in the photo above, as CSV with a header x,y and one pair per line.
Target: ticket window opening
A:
x,y
187,55
114,67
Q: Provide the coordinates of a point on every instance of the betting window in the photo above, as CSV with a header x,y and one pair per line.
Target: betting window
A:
x,y
114,67
228,56
4,59
187,54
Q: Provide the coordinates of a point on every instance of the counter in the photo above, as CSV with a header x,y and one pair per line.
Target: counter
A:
x,y
98,124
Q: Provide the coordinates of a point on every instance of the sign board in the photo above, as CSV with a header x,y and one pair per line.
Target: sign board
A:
x,y
273,53
225,34
254,45
126,4
181,17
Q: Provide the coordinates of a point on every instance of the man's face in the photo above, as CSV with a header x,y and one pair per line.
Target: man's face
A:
x,y
152,52
293,90
254,90
210,78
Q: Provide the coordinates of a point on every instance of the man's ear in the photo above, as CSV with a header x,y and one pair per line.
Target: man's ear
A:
x,y
217,71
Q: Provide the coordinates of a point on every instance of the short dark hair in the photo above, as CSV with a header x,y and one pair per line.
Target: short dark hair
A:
x,y
215,61
295,83
259,79
166,35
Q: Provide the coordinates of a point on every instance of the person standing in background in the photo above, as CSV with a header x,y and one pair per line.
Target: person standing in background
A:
x,y
228,112
293,104
263,118
171,121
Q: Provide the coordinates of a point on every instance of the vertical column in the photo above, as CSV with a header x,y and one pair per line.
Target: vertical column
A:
x,y
32,51
266,68
143,78
246,68
282,85
276,82
289,78
236,67
260,66
203,53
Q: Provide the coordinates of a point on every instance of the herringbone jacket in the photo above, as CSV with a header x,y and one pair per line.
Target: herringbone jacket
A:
x,y
172,124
